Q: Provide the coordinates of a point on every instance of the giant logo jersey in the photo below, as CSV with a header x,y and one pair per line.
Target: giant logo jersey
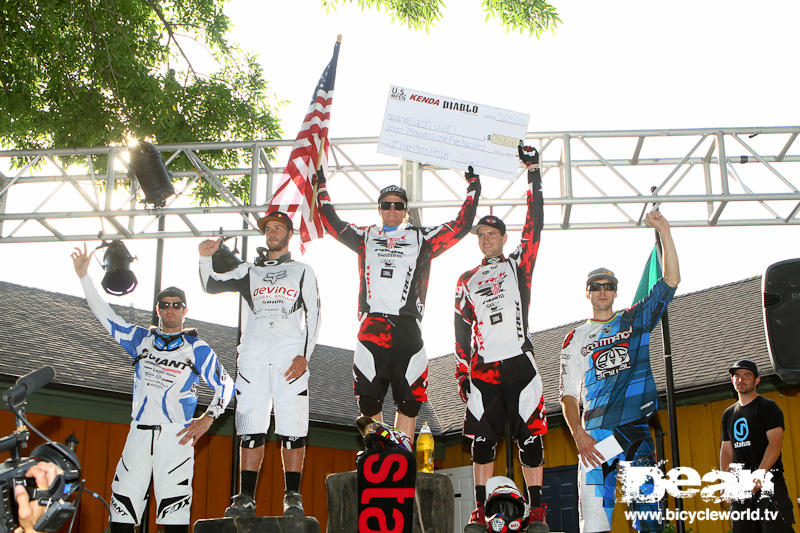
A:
x,y
607,364
165,381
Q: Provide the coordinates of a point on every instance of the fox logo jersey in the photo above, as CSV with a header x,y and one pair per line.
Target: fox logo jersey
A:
x,y
606,365
281,318
166,377
394,266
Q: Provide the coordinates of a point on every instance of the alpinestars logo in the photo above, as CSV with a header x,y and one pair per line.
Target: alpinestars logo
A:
x,y
273,277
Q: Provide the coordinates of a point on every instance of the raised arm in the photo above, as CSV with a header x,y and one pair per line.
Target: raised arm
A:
x,y
672,272
125,333
534,219
234,281
443,237
348,234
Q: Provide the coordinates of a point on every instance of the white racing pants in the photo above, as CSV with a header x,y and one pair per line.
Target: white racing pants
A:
x,y
153,450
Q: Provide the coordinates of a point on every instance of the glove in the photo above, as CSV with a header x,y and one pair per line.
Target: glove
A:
x,y
529,160
473,180
318,179
464,387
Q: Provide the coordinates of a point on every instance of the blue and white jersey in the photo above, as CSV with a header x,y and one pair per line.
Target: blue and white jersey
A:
x,y
606,365
166,375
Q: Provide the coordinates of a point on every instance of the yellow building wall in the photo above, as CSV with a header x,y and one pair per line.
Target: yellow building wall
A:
x,y
699,441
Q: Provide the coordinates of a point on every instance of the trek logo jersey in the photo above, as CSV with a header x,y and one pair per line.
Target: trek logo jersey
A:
x,y
166,381
281,320
607,364
492,299
394,266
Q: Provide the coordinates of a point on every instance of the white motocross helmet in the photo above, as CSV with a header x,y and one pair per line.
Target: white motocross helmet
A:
x,y
506,511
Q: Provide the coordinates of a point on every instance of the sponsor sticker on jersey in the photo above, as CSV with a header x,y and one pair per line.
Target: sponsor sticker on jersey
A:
x,y
496,318
273,277
386,272
612,361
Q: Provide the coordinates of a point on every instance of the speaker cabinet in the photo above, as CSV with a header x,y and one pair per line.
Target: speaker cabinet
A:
x,y
781,290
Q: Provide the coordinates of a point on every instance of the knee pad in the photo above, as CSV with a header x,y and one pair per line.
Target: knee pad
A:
x,y
483,451
176,528
531,454
369,406
292,443
253,440
410,408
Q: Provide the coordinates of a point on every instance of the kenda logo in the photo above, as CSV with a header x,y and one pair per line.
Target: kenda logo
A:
x,y
648,484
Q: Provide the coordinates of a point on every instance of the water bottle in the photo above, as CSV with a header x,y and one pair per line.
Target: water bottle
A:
x,y
425,449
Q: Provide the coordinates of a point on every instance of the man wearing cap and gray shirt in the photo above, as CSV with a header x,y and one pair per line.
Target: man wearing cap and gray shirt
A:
x,y
752,436
280,325
394,263
605,365
497,375
168,362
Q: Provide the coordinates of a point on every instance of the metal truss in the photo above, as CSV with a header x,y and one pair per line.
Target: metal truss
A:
x,y
592,179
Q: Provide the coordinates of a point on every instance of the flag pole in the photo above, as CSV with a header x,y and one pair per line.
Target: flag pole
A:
x,y
314,184
319,164
671,414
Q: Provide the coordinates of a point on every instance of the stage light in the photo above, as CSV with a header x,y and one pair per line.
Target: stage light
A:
x,y
119,279
225,259
150,172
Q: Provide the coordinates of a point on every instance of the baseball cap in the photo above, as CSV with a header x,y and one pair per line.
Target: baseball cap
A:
x,y
600,273
278,216
490,221
172,291
744,364
393,189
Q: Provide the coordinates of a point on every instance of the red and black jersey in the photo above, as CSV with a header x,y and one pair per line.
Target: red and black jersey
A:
x,y
394,266
492,299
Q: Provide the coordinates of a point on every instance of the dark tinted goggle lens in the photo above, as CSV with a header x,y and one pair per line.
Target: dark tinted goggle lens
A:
x,y
593,287
400,206
167,305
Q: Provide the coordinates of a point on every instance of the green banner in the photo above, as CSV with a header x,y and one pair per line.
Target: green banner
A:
x,y
651,274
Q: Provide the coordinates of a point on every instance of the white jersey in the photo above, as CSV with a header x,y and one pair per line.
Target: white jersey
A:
x,y
166,379
281,319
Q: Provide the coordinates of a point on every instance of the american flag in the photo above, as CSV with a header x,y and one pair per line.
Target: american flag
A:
x,y
295,193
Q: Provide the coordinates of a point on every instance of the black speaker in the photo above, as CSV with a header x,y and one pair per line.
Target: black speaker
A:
x,y
781,289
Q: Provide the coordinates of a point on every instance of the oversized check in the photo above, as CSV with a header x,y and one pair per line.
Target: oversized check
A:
x,y
452,133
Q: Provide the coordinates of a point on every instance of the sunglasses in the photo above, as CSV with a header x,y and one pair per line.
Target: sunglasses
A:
x,y
174,305
607,285
400,206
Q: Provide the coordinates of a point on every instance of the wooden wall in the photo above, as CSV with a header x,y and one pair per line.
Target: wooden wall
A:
x,y
101,443
699,442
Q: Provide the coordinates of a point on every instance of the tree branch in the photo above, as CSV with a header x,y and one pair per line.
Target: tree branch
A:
x,y
168,27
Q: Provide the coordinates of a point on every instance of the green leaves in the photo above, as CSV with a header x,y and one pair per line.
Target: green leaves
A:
x,y
533,16
76,73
